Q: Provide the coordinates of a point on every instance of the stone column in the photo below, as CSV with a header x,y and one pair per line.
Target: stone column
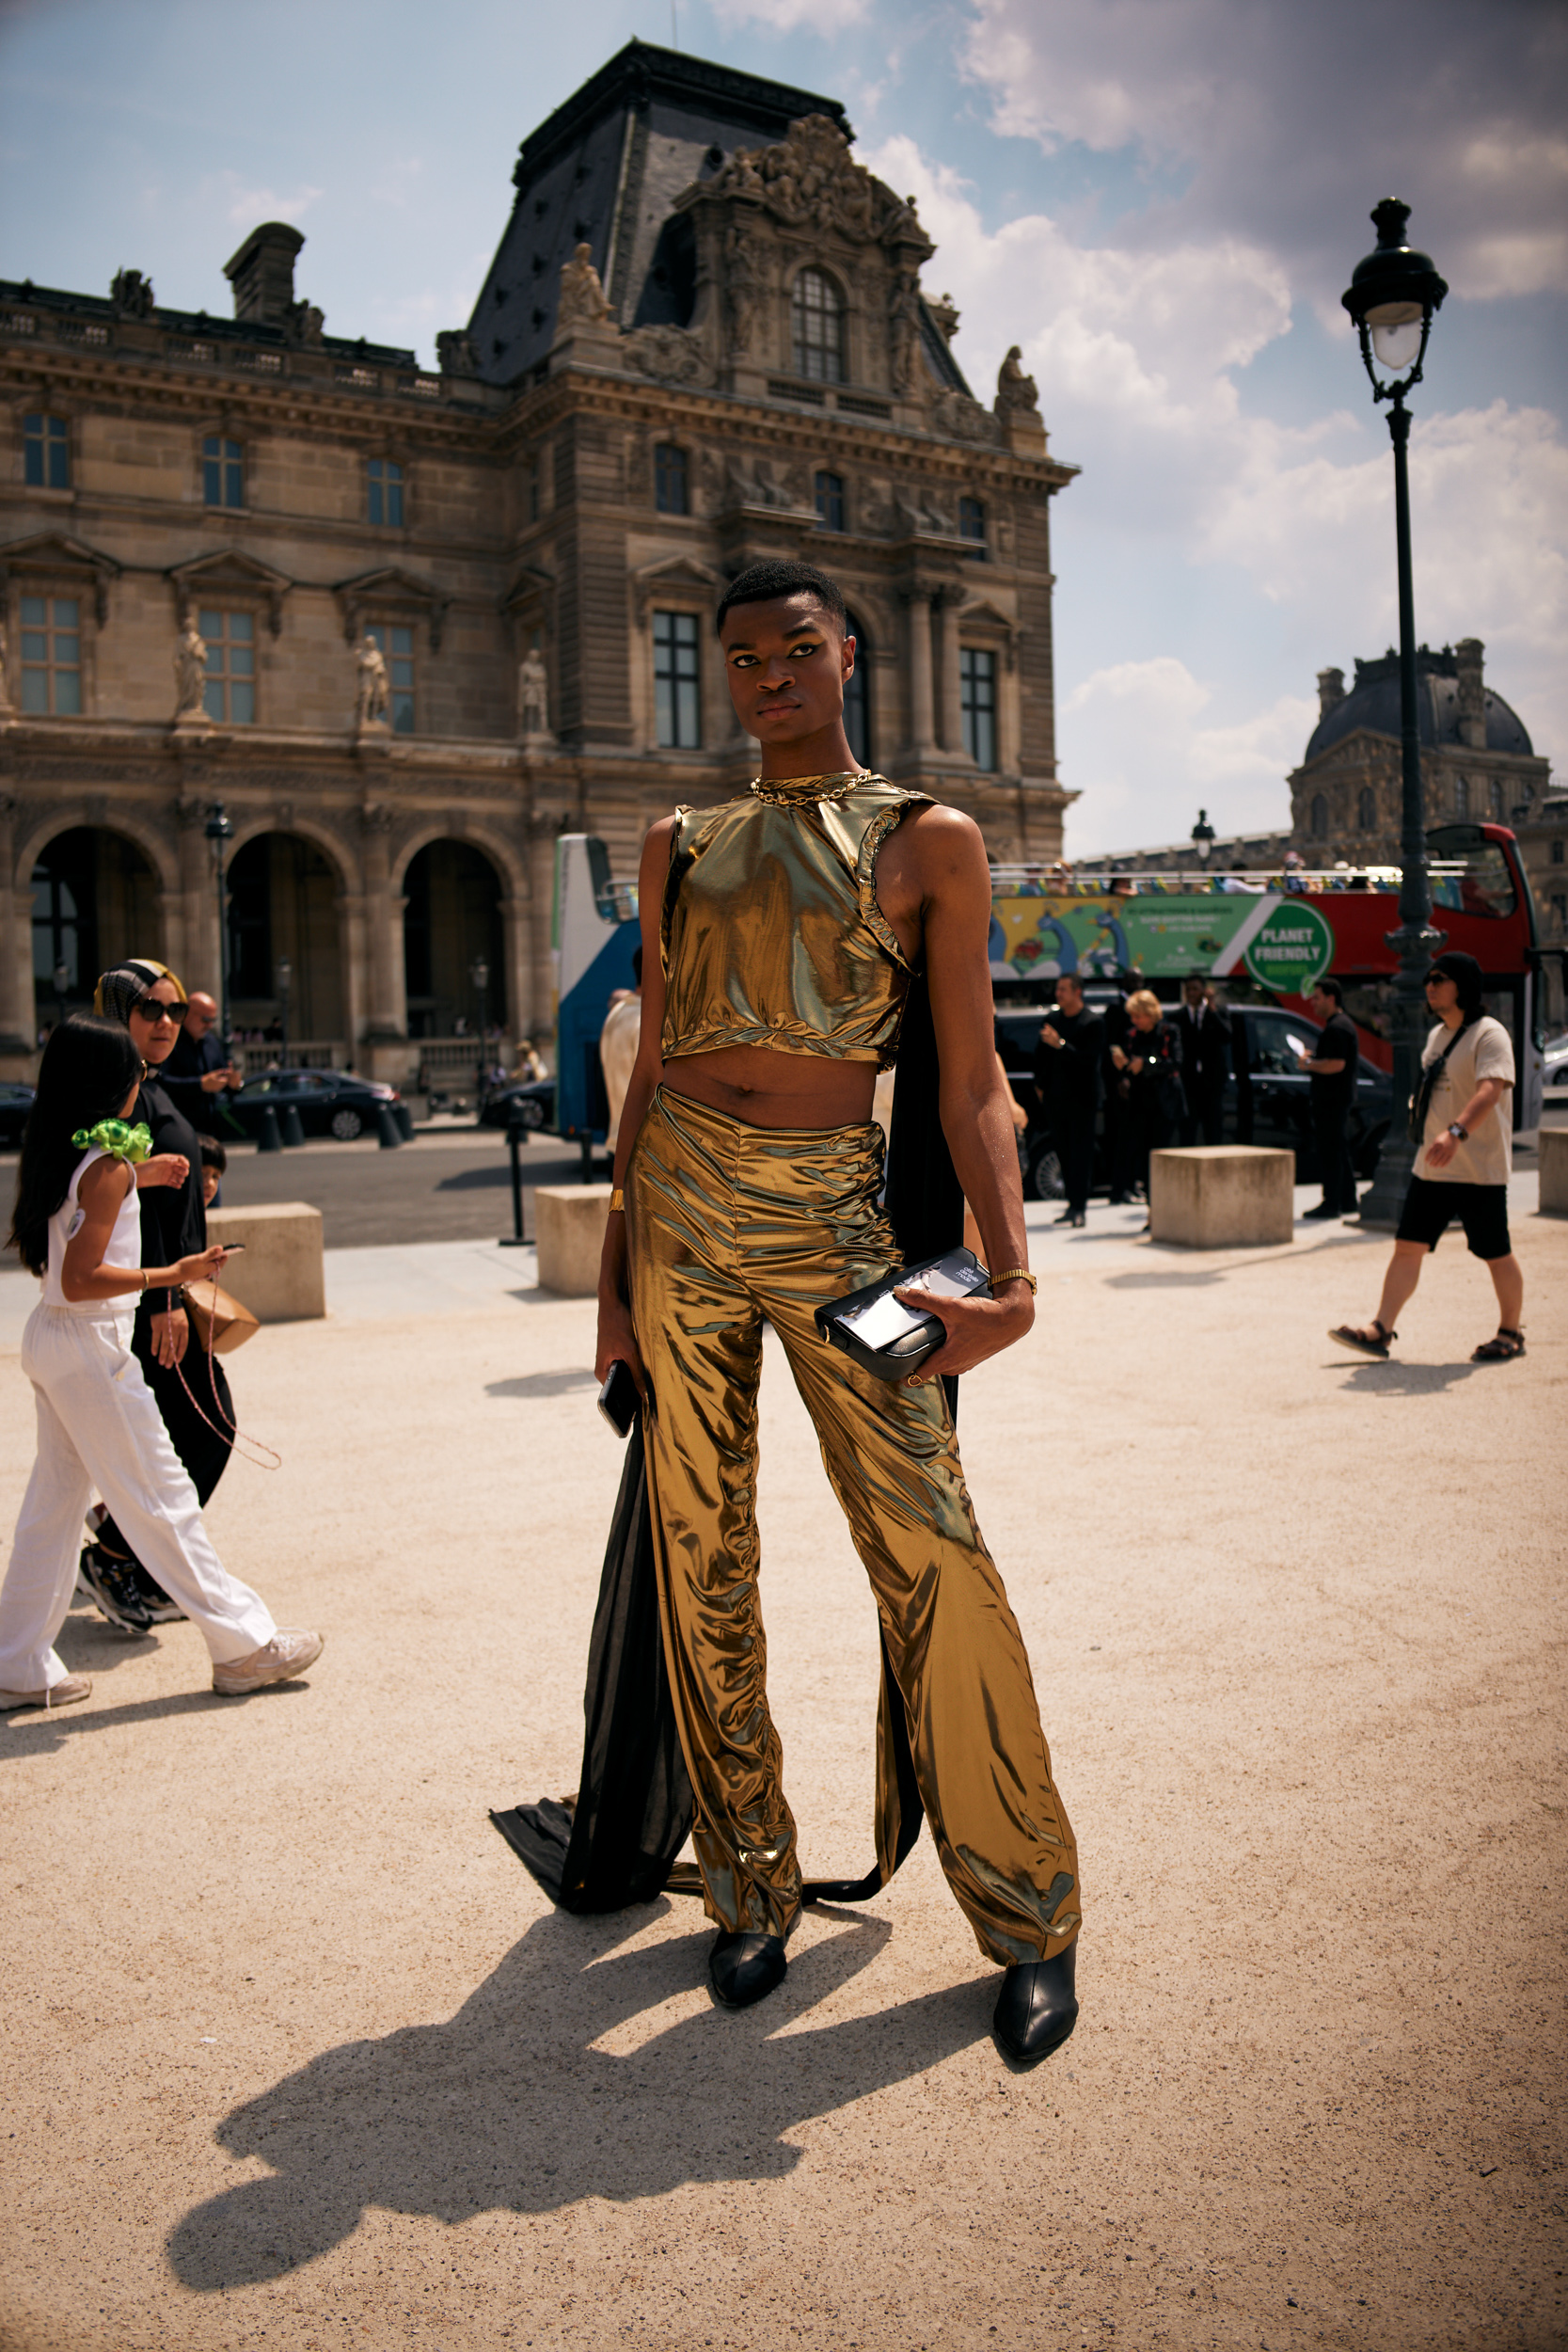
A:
x,y
193,925
922,718
386,1001
18,1028
944,606
515,949
539,995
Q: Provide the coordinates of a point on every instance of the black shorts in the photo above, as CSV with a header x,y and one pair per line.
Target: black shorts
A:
x,y
1482,1209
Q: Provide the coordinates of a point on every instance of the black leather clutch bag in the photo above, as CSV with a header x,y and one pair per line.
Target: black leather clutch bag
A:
x,y
888,1338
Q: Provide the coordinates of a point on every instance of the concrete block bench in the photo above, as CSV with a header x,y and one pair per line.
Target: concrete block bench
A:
x,y
1552,1145
281,1276
1221,1195
569,1227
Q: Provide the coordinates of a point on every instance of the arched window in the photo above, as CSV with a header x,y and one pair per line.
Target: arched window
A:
x,y
1462,796
817,320
1319,818
1366,809
1495,796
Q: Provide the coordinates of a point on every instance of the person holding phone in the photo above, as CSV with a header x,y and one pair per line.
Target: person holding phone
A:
x,y
190,1387
83,1169
780,933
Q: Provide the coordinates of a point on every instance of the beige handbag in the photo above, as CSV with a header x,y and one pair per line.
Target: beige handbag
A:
x,y
220,1322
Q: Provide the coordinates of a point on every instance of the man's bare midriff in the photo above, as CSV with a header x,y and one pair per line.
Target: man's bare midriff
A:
x,y
767,1089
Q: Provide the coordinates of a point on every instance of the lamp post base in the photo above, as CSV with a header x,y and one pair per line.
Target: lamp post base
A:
x,y
1382,1204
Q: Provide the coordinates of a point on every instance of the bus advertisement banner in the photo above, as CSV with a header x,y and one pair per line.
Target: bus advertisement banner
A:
x,y
1034,936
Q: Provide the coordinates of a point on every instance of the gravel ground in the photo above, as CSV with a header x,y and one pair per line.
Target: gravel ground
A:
x,y
297,2054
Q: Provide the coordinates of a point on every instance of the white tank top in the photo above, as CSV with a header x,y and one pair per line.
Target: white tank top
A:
x,y
125,1245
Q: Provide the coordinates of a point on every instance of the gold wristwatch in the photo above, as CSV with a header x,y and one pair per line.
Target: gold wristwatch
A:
x,y
1015,1274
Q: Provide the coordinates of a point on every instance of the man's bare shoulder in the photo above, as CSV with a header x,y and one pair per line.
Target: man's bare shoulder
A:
x,y
936,844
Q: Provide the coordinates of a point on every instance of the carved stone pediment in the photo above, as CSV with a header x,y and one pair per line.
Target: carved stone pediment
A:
x,y
671,355
208,576
963,419
391,587
809,179
56,553
673,574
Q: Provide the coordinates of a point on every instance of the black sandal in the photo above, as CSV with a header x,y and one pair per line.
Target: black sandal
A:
x,y
1501,1350
1353,1336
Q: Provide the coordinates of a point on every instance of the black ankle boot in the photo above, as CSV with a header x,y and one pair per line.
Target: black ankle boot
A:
x,y
744,1968
1037,2009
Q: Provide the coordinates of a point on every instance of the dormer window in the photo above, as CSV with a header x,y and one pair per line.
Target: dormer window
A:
x,y
972,520
817,320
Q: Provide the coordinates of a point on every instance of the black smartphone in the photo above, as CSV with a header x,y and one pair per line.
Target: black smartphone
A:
x,y
618,1399
231,1248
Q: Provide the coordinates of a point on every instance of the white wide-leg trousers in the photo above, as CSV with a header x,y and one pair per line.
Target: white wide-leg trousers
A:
x,y
98,1424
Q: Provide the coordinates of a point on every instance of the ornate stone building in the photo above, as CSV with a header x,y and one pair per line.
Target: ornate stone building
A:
x,y
1476,758
406,626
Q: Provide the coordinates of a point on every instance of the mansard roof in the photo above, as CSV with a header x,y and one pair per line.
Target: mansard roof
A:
x,y
1373,704
604,170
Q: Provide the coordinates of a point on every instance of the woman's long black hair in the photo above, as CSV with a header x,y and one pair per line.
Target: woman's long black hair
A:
x,y
89,1066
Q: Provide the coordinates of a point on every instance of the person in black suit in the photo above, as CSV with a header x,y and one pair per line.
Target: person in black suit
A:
x,y
1203,1039
1067,1083
1333,1070
1116,1027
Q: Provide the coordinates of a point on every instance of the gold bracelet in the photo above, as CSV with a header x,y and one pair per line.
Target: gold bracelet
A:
x,y
617,1202
144,1282
1015,1274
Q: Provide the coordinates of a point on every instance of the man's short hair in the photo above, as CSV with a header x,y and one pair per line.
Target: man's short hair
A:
x,y
1075,979
1331,988
776,575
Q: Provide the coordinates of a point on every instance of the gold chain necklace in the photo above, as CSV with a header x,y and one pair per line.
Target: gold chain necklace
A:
x,y
803,791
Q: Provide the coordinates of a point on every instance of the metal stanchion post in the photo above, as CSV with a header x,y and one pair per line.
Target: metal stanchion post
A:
x,y
515,1135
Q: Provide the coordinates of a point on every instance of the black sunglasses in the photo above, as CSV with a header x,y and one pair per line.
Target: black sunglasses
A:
x,y
151,1011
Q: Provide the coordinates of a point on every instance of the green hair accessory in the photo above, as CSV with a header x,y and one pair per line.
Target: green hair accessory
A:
x,y
120,1141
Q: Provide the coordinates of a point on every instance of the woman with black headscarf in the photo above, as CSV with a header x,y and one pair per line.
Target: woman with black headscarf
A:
x,y
189,1385
1460,1122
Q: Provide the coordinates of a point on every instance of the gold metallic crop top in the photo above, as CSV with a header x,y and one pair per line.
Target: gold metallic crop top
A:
x,y
771,930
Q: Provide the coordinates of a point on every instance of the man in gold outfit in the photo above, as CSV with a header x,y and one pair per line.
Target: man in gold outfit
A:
x,y
780,933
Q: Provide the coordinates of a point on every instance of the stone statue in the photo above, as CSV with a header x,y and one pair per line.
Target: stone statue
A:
x,y
533,715
303,322
132,295
190,671
742,286
582,298
1017,394
904,330
372,694
457,351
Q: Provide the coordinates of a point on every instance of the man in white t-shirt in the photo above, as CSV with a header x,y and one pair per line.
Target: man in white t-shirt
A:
x,y
1461,1167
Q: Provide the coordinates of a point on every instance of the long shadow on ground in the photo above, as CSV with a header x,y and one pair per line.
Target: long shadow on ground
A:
x,y
509,2105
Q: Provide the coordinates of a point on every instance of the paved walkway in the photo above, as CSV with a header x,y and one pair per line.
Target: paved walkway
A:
x,y
297,2055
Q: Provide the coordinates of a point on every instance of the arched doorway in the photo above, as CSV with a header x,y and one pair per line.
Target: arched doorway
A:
x,y
856,694
454,916
283,908
95,901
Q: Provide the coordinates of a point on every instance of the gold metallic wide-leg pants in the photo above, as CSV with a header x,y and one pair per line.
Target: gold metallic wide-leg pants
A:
x,y
730,1225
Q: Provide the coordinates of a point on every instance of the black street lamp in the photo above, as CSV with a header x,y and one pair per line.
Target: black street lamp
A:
x,y
1392,298
218,829
1203,836
479,972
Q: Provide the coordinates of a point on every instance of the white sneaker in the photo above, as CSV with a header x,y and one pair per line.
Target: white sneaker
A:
x,y
64,1693
288,1653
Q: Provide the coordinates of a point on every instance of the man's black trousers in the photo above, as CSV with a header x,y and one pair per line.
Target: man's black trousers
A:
x,y
1072,1140
1206,1121
1330,1132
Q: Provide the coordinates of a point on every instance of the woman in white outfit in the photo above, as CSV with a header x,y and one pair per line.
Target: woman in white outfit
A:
x,y
77,1225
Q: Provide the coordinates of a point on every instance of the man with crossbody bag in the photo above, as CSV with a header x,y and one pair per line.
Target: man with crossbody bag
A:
x,y
1461,1125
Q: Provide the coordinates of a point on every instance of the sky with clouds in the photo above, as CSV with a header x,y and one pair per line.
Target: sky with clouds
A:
x,y
1161,200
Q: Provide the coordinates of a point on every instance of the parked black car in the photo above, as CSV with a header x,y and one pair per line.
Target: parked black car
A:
x,y
16,1100
532,1104
1267,1098
329,1101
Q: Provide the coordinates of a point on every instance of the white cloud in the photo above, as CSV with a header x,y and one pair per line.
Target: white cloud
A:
x,y
246,208
1289,121
1146,763
787,16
